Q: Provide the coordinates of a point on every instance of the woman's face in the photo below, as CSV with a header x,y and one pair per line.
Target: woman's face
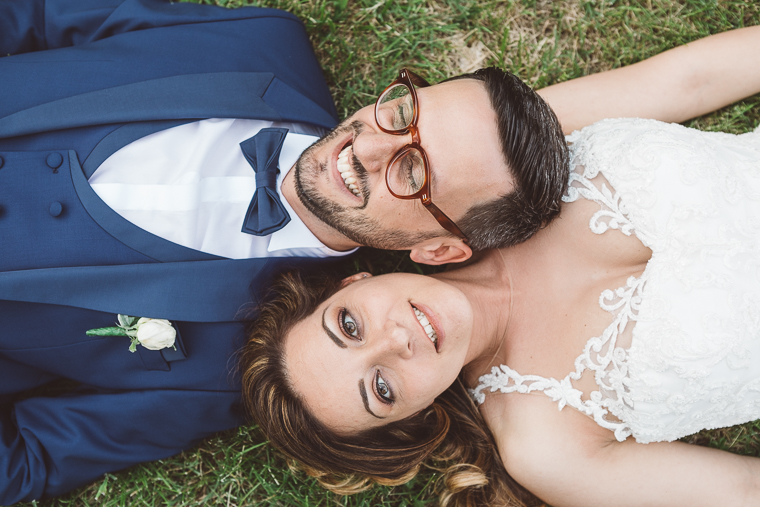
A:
x,y
379,350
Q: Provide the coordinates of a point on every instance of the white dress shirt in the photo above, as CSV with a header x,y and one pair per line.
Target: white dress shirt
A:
x,y
192,185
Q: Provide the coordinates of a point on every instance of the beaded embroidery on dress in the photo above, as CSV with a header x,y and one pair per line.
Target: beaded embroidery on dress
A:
x,y
693,363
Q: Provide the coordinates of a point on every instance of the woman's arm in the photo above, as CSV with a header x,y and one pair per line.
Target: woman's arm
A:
x,y
682,83
658,474
567,460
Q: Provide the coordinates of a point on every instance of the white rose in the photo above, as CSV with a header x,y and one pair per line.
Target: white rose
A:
x,y
155,334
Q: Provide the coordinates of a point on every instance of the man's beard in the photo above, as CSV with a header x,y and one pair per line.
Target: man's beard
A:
x,y
351,222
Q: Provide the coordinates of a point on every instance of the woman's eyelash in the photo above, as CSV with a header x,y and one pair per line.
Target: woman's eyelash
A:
x,y
348,325
350,328
383,390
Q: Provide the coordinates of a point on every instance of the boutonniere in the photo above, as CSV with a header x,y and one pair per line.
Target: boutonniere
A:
x,y
153,334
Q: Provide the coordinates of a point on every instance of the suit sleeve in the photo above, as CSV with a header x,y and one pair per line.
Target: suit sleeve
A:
x,y
36,25
49,446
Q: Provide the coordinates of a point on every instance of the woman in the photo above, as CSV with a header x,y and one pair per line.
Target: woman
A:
x,y
639,307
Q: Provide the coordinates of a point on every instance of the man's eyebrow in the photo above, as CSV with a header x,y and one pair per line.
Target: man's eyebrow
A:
x,y
332,336
363,392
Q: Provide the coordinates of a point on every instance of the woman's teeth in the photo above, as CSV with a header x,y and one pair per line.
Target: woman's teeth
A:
x,y
349,178
426,325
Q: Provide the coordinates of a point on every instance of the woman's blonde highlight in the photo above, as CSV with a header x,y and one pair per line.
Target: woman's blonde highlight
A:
x,y
449,435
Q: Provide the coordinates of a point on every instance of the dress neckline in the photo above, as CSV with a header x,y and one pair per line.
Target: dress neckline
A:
x,y
601,354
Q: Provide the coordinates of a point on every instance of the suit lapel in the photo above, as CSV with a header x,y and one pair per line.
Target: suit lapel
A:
x,y
255,95
196,291
199,291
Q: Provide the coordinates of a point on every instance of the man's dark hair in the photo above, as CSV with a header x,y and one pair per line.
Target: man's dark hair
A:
x,y
537,156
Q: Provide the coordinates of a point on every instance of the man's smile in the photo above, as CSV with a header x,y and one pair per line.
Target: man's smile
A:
x,y
341,169
350,178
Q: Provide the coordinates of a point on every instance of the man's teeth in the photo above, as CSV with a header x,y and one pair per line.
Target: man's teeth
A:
x,y
426,325
349,178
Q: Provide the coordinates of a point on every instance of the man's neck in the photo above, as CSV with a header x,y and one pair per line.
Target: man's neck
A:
x,y
324,233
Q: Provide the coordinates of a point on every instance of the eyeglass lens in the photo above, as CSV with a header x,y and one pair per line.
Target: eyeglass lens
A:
x,y
407,172
395,108
395,111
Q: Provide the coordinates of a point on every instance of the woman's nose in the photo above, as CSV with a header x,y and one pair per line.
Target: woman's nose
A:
x,y
398,340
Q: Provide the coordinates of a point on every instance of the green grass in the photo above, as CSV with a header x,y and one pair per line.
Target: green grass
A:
x,y
361,45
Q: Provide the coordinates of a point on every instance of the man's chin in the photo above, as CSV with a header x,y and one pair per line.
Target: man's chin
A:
x,y
351,223
315,202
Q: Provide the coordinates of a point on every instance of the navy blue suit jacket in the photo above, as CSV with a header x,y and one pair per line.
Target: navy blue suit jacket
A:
x,y
83,79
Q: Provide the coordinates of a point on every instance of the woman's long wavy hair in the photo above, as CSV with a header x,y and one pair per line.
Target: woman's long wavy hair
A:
x,y
450,433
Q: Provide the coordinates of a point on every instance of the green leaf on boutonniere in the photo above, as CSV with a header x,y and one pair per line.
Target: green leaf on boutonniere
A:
x,y
107,331
155,334
127,321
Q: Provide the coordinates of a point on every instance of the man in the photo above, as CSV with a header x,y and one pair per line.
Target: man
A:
x,y
122,172
84,80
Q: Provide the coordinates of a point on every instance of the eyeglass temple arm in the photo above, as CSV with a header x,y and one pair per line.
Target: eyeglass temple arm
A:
x,y
415,78
418,81
445,221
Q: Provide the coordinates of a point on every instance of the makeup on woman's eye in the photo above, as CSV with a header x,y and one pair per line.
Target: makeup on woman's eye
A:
x,y
348,325
383,390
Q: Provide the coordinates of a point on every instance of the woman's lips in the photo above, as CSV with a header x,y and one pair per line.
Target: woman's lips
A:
x,y
433,321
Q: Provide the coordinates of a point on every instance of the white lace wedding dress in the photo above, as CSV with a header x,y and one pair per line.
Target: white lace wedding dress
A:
x,y
692,361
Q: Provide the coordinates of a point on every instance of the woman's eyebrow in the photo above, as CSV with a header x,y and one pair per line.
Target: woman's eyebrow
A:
x,y
332,336
363,392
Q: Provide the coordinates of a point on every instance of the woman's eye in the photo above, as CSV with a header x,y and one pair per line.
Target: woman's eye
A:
x,y
348,324
383,390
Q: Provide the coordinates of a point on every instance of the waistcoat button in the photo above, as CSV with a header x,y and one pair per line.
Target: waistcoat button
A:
x,y
56,209
54,160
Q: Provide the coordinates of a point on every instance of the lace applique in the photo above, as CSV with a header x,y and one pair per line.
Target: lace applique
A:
x,y
693,363
613,217
601,354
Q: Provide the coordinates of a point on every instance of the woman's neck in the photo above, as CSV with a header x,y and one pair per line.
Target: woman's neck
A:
x,y
486,281
496,282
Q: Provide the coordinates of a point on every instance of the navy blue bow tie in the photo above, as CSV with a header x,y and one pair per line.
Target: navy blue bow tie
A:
x,y
265,214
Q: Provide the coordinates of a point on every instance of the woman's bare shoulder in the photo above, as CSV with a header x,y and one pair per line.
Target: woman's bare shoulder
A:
x,y
532,434
565,459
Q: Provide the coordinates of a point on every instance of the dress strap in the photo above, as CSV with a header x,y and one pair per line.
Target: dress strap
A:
x,y
506,380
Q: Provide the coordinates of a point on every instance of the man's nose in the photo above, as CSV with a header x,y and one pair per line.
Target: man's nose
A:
x,y
375,149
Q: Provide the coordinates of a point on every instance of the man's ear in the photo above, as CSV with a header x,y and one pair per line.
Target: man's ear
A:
x,y
441,251
354,278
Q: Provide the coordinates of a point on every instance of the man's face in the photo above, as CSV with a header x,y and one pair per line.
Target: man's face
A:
x,y
458,132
